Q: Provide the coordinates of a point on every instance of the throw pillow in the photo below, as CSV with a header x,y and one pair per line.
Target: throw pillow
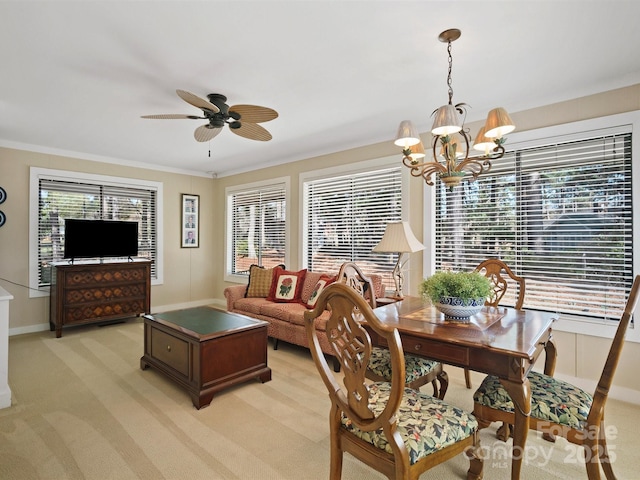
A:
x,y
324,281
260,279
286,286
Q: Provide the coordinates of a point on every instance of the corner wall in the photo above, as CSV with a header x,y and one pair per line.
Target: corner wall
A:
x,y
188,272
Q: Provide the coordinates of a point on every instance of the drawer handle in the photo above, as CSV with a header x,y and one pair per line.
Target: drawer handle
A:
x,y
417,347
168,348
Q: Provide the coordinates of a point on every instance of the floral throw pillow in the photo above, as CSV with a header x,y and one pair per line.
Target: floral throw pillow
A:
x,y
324,281
286,286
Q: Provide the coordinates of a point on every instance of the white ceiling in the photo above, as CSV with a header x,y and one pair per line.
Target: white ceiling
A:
x,y
75,77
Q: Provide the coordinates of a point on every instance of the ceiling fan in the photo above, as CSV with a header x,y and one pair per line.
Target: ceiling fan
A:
x,y
242,119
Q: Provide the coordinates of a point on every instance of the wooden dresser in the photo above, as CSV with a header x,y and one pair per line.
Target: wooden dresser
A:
x,y
86,292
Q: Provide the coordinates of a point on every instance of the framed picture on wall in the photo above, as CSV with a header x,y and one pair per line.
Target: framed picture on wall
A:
x,y
190,237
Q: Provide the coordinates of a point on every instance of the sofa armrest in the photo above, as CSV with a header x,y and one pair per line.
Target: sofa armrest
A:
x,y
233,293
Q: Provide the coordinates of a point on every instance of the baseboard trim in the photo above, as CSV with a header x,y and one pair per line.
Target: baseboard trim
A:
x,y
41,327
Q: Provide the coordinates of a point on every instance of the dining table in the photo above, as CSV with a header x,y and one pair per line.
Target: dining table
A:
x,y
500,341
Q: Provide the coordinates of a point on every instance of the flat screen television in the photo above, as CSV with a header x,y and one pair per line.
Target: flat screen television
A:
x,y
100,238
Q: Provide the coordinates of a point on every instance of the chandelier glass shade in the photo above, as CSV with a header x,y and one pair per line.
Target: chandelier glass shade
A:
x,y
452,146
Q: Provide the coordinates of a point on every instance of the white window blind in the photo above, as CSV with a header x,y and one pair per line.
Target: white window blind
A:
x,y
258,227
559,215
346,218
59,200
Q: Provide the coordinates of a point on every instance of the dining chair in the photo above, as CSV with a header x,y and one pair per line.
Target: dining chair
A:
x,y
560,408
419,371
498,272
395,430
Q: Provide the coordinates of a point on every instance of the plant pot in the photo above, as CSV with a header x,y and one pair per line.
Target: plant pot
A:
x,y
459,308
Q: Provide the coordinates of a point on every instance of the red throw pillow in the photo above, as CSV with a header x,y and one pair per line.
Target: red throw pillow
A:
x,y
286,286
323,282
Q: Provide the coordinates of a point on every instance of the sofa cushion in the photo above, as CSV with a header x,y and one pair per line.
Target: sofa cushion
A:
x,y
286,286
282,311
260,280
322,282
251,305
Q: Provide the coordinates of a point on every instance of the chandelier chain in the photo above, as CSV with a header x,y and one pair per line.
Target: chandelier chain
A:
x,y
449,82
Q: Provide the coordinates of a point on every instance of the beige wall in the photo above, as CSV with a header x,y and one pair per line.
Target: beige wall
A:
x,y
195,276
580,357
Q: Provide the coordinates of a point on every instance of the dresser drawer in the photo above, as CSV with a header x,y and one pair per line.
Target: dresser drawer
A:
x,y
170,350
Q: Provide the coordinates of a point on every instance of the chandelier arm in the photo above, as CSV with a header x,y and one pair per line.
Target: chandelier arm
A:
x,y
424,169
474,167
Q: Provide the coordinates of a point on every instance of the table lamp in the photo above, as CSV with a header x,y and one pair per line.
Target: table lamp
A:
x,y
398,238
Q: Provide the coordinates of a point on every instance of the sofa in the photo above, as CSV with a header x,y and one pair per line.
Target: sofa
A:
x,y
261,299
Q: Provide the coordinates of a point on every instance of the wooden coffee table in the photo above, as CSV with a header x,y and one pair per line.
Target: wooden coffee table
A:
x,y
205,350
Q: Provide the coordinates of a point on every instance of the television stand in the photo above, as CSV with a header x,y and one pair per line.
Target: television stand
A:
x,y
90,292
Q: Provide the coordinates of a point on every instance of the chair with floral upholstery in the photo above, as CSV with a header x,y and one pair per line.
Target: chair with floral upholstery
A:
x,y
394,429
500,276
559,408
419,370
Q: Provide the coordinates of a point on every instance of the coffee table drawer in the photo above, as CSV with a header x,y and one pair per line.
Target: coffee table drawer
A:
x,y
170,350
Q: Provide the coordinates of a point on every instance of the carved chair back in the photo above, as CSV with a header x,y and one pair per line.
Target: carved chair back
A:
x,y
351,275
501,276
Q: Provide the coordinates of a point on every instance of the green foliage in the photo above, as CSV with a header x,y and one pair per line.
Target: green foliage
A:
x,y
455,284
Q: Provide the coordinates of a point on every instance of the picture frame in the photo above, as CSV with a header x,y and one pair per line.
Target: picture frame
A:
x,y
190,226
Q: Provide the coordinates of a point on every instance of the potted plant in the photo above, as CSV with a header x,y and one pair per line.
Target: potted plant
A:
x,y
456,294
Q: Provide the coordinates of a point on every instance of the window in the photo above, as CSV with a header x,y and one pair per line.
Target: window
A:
x,y
559,213
59,195
257,222
345,217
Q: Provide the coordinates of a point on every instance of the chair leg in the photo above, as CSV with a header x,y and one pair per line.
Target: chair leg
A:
x,y
275,343
504,432
605,461
434,384
592,463
443,379
336,365
467,378
476,462
335,449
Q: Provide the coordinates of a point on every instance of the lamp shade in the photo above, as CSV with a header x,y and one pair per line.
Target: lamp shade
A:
x,y
407,135
499,123
446,121
483,143
398,238
417,152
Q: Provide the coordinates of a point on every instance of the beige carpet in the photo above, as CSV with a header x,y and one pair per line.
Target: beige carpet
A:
x,y
83,409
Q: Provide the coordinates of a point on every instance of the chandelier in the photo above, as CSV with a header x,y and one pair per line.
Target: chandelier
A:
x,y
451,140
